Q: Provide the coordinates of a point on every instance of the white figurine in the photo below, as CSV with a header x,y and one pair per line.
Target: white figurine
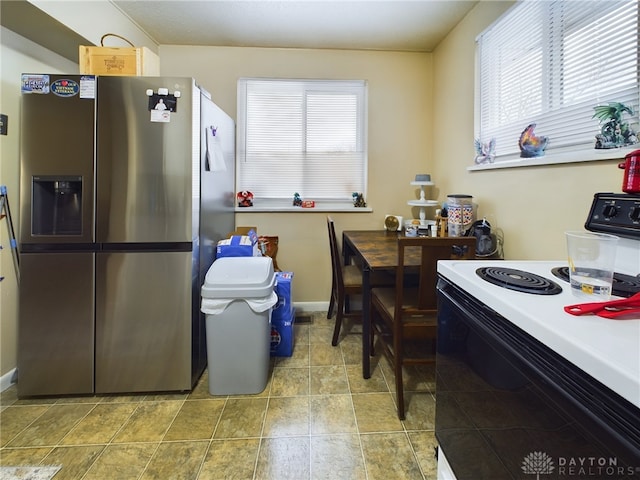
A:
x,y
485,152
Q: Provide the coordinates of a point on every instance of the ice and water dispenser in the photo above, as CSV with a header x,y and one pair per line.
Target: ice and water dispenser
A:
x,y
57,205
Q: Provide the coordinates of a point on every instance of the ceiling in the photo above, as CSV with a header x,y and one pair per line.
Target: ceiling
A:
x,y
411,25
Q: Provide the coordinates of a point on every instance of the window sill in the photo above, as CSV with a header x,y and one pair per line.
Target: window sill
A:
x,y
270,205
574,156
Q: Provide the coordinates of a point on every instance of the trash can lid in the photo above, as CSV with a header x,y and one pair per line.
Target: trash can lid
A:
x,y
239,277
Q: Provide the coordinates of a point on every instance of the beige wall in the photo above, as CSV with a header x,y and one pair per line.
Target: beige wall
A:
x,y
399,138
533,205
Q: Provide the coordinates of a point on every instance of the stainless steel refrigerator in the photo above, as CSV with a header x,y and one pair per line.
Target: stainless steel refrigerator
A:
x,y
126,187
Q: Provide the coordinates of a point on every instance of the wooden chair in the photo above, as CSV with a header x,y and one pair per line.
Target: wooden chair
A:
x,y
346,282
404,317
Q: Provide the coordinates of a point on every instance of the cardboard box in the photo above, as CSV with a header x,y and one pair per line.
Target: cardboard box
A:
x,y
282,317
242,231
126,61
239,246
284,308
282,336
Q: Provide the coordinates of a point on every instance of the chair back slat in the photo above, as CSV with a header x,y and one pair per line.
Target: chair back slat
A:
x,y
336,261
431,250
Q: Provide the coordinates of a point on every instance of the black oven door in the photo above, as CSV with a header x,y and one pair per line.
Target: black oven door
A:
x,y
508,407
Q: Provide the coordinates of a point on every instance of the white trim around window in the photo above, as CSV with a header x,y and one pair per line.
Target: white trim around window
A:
x,y
302,136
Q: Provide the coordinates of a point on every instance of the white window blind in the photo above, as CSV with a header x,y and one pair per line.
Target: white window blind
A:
x,y
304,136
550,63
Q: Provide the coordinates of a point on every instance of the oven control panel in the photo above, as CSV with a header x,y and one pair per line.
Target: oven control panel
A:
x,y
615,213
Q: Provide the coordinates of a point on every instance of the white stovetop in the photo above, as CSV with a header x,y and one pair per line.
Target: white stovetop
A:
x,y
608,350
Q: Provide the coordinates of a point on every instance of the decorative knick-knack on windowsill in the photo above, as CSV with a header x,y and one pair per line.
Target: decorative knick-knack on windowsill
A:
x,y
531,145
614,132
358,200
485,152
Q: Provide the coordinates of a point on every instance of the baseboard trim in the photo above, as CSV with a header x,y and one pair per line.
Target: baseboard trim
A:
x,y
7,379
311,306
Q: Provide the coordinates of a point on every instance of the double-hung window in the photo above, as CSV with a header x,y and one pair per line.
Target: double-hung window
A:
x,y
550,63
302,136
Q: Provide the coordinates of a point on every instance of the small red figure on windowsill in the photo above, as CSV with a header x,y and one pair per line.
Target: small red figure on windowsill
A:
x,y
245,198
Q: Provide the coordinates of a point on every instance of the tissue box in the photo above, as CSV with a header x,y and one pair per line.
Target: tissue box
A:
x,y
239,246
282,336
243,231
284,308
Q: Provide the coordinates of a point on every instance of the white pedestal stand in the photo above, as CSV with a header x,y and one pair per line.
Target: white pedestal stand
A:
x,y
422,202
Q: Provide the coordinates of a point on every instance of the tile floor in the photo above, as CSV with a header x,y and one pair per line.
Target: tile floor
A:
x,y
317,419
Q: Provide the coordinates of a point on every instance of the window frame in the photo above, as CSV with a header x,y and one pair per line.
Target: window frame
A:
x,y
580,152
280,199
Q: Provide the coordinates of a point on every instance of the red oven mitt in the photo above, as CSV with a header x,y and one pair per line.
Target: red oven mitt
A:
x,y
629,308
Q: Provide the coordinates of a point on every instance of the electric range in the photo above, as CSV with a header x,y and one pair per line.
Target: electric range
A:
x,y
584,370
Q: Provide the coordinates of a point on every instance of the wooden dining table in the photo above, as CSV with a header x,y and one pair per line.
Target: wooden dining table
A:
x,y
374,251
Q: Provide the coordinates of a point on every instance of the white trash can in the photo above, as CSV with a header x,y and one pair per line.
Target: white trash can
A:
x,y
237,298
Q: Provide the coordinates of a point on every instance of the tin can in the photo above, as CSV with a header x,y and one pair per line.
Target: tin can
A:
x,y
460,214
631,166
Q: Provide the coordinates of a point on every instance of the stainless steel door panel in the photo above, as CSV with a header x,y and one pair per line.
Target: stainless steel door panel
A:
x,y
217,213
57,139
143,322
56,328
144,167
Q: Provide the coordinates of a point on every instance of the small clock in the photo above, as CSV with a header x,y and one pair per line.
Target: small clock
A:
x,y
391,223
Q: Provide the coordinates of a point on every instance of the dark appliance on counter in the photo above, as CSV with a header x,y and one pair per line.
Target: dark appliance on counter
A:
x,y
526,390
120,215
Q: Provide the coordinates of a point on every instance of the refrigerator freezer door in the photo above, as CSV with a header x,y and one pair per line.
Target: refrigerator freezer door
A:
x,y
144,167
56,328
143,322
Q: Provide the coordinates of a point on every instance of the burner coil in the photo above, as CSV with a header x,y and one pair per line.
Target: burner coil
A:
x,y
623,285
519,280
